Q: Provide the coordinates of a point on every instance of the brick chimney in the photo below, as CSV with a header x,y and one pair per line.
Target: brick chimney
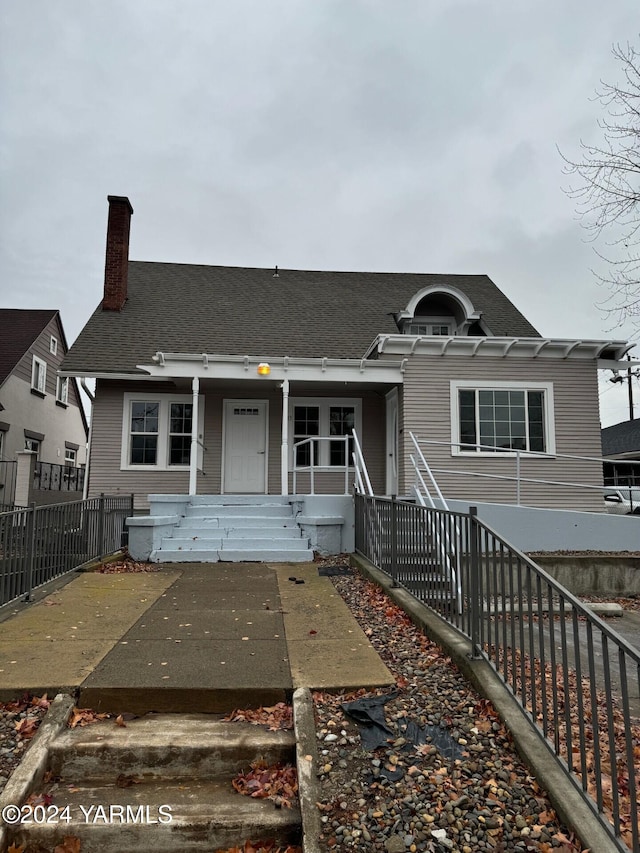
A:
x,y
117,256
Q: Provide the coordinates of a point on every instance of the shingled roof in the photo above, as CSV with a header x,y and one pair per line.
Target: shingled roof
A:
x,y
248,311
19,327
620,439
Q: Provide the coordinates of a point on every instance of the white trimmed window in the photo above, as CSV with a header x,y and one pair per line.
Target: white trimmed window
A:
x,y
438,326
62,389
39,375
53,345
501,417
328,418
156,432
33,445
70,456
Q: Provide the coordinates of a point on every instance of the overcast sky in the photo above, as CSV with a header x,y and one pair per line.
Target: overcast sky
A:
x,y
405,135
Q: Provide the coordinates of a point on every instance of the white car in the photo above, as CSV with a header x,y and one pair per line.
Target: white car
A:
x,y
622,500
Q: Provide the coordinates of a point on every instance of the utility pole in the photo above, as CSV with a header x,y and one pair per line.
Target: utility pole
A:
x,y
630,374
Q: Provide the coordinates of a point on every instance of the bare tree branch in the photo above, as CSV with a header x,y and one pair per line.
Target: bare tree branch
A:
x,y
607,183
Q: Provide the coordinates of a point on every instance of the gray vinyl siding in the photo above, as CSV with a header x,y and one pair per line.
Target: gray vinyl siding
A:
x,y
25,410
106,475
40,348
106,437
427,412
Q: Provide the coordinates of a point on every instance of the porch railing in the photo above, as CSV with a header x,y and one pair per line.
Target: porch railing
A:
x,y
43,542
314,444
577,681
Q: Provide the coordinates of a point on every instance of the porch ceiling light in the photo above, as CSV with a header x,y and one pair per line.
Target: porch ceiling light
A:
x,y
264,369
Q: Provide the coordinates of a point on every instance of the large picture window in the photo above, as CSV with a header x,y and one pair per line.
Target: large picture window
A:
x,y
324,418
501,417
156,432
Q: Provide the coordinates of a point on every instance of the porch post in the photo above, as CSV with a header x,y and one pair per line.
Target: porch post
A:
x,y
284,448
193,460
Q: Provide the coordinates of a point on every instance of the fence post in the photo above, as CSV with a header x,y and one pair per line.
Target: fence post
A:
x,y
475,584
31,533
101,526
394,540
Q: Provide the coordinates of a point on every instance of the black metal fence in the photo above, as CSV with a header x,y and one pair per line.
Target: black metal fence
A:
x,y
51,477
576,679
40,543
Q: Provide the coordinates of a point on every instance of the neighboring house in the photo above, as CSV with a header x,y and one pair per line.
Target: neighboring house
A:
x,y
620,447
209,377
39,410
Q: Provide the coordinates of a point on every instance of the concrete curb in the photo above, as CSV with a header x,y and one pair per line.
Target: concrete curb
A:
x,y
307,764
566,800
29,773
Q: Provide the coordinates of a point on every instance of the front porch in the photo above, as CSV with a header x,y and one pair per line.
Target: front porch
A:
x,y
242,528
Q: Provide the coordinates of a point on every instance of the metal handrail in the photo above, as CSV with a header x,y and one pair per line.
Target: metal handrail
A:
x,y
362,474
518,456
562,663
312,467
448,554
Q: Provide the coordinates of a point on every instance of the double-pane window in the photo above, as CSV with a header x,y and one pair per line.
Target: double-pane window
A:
x,y
180,433
306,424
62,389
39,375
342,420
159,432
144,433
326,419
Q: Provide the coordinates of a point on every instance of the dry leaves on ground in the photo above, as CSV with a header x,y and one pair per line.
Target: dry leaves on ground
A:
x,y
274,717
127,565
85,717
278,782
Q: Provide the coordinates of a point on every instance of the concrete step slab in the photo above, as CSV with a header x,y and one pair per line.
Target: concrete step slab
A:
x,y
213,533
269,511
166,746
196,543
265,555
235,522
239,500
204,815
171,555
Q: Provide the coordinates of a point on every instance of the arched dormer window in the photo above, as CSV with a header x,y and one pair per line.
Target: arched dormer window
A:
x,y
440,310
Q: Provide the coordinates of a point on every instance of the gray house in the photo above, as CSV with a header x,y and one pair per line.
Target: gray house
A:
x,y
219,380
40,411
621,449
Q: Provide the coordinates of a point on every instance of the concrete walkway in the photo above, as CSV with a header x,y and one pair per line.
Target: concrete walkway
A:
x,y
190,637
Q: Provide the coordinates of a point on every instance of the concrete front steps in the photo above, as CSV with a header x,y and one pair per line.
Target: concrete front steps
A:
x,y
236,529
183,764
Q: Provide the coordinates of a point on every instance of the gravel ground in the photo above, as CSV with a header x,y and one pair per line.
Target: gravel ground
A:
x,y
464,790
19,721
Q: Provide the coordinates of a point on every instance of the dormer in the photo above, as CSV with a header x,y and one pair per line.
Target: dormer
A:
x,y
441,309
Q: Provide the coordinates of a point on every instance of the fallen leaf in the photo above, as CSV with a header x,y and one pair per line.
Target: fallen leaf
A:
x,y
70,844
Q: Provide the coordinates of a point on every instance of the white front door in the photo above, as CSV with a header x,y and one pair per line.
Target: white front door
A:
x,y
392,442
245,447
